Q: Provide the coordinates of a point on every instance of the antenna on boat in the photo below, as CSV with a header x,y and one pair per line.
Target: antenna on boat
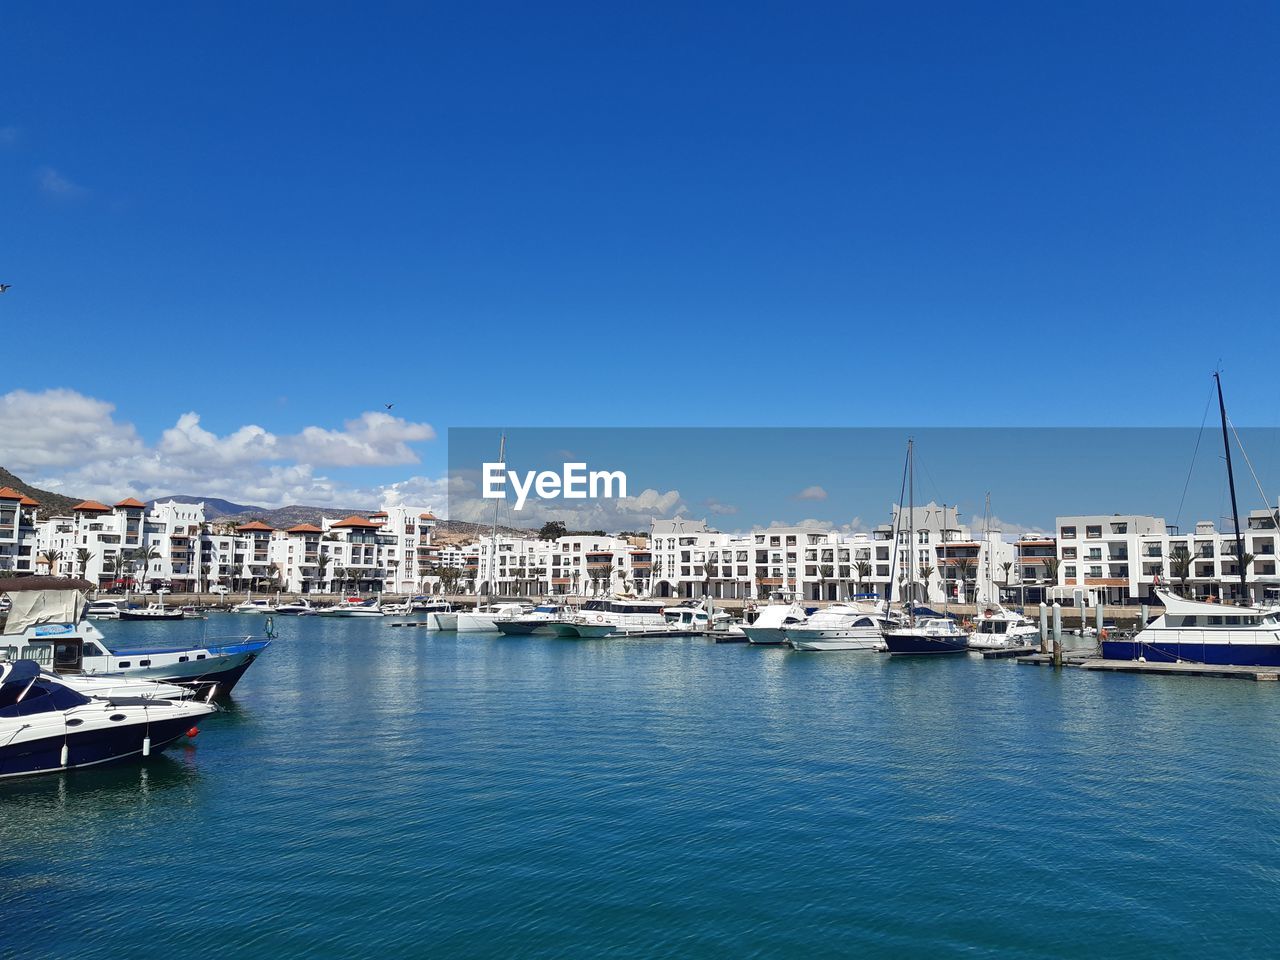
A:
x,y
1231,482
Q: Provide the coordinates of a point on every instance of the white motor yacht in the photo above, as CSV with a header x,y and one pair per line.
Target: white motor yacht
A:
x,y
353,607
541,619
105,609
260,606
997,628
841,626
603,618
46,725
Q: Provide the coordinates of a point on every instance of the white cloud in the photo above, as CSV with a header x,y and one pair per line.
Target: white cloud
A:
x,y
64,441
56,185
374,438
58,428
811,493
720,509
624,513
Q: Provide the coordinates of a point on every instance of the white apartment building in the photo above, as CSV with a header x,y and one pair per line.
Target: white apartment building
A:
x,y
1122,558
171,545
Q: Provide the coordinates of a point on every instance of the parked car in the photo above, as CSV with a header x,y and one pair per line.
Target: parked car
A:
x,y
220,589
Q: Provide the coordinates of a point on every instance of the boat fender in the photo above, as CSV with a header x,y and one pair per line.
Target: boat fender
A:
x,y
62,761
271,628
193,733
146,745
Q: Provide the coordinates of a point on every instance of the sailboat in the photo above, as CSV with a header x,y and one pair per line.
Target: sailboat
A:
x,y
1195,632
930,634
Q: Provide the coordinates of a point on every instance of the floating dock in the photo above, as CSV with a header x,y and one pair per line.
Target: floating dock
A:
x,y
1223,671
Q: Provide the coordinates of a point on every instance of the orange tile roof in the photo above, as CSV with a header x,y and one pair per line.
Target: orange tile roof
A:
x,y
28,502
354,521
8,493
427,516
378,514
91,506
304,528
254,525
131,503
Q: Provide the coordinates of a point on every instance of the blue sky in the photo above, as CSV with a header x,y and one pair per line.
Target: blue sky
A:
x,y
284,216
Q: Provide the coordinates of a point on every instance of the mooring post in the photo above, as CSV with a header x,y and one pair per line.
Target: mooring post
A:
x,y
1044,627
1098,619
1057,634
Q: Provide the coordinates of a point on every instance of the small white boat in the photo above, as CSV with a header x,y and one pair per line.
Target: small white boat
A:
x,y
997,628
259,606
354,607
105,609
298,608
770,626
484,618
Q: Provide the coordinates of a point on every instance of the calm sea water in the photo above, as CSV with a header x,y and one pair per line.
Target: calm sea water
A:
x,y
378,792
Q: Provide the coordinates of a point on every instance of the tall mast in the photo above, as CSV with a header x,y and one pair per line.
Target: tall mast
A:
x,y
897,531
1231,482
493,556
911,528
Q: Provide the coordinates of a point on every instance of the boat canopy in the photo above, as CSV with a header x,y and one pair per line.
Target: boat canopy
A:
x,y
1180,606
35,607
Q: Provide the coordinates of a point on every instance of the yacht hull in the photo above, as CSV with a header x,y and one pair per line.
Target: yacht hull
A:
x,y
443,621
820,640
93,747
1171,651
921,643
765,636
476,623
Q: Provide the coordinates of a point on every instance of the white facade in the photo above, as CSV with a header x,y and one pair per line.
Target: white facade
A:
x,y
1121,558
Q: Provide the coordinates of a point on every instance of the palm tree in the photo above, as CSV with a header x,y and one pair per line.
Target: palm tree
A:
x,y
1180,565
322,562
449,577
926,572
964,568
863,569
52,558
141,559
83,556
1006,566
824,574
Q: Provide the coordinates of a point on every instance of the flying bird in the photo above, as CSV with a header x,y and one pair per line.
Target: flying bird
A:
x,y
388,405
5,286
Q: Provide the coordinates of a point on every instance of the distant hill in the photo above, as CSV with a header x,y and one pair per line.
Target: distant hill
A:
x,y
51,503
